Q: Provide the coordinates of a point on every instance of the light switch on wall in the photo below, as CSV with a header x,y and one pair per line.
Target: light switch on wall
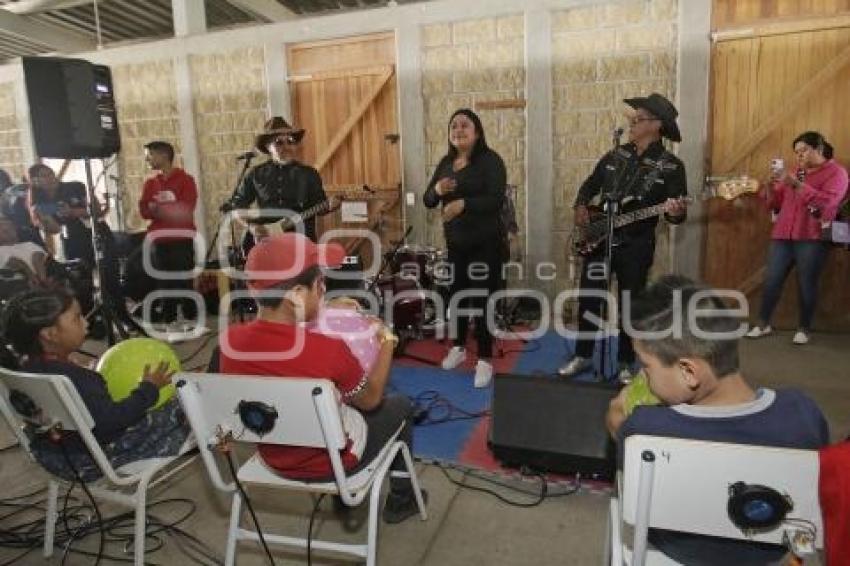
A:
x,y
411,199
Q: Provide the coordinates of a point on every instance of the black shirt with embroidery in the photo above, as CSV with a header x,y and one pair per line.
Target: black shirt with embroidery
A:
x,y
643,180
290,186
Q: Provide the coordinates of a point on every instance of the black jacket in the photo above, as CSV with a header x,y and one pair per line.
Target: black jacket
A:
x,y
291,186
644,180
481,185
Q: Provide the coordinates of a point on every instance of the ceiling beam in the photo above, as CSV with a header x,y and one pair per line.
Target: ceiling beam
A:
x,y
56,38
32,6
272,10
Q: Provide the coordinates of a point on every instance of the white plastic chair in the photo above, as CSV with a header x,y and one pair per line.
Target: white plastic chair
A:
x,y
61,406
308,416
683,485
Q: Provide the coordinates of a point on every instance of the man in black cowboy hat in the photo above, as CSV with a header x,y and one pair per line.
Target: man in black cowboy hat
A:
x,y
640,174
281,182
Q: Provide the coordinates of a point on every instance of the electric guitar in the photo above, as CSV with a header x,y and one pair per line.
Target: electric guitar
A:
x,y
289,223
586,239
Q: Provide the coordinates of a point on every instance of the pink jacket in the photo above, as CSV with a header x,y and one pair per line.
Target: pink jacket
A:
x,y
823,191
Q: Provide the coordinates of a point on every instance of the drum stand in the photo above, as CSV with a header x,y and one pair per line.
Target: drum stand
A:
x,y
236,257
405,336
116,319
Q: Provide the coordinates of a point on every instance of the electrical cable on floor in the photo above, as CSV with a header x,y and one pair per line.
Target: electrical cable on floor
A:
x,y
542,495
29,535
310,530
57,437
250,507
430,407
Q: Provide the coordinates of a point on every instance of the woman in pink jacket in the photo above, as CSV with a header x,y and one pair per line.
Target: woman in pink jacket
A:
x,y
802,201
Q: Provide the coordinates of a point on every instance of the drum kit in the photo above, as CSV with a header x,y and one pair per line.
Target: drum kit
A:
x,y
410,290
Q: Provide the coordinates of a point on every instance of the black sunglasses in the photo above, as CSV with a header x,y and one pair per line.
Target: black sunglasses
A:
x,y
286,140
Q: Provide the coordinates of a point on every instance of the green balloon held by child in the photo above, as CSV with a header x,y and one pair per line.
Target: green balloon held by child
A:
x,y
123,365
638,393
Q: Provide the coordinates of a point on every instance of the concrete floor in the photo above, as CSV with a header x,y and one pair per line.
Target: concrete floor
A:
x,y
467,527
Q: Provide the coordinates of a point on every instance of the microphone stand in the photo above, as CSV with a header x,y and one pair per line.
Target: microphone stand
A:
x,y
611,197
235,255
117,328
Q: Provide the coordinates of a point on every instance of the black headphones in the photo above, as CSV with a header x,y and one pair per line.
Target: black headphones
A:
x,y
256,416
753,507
23,404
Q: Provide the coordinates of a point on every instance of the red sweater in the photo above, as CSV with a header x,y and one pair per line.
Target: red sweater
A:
x,y
169,203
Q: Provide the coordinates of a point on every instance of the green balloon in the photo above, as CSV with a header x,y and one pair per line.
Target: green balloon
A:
x,y
638,393
123,365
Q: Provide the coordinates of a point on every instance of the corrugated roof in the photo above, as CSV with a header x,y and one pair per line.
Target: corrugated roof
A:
x,y
125,20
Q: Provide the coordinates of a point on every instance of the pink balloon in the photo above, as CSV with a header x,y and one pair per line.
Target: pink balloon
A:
x,y
353,328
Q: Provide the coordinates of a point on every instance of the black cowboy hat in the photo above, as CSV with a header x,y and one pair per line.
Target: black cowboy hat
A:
x,y
662,109
275,126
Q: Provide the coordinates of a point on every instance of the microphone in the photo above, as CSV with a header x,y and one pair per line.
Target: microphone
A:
x,y
247,155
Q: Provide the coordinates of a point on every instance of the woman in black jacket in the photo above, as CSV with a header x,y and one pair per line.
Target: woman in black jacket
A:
x,y
469,183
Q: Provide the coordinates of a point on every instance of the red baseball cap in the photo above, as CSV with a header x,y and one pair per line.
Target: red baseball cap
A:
x,y
285,256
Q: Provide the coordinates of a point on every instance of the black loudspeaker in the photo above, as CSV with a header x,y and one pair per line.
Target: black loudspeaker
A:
x,y
72,108
552,425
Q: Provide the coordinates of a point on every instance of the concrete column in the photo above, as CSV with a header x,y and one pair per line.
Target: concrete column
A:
x,y
22,107
188,133
277,72
693,75
538,158
190,18
412,125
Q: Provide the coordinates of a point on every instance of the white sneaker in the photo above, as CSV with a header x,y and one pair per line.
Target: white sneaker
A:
x,y
575,366
454,358
801,338
758,331
483,373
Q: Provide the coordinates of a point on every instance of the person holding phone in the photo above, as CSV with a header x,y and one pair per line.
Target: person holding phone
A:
x,y
801,200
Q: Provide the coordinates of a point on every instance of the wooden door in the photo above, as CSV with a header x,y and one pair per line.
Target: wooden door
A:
x,y
344,94
766,90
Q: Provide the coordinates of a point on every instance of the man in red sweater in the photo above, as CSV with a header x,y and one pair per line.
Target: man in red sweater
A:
x,y
168,201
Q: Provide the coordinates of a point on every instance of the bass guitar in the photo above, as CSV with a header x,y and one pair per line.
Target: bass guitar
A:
x,y
588,238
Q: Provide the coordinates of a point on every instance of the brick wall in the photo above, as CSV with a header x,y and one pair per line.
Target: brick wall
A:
x,y
146,99
464,63
11,153
600,55
230,105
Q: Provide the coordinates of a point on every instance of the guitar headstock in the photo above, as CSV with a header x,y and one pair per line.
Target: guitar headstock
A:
x,y
732,188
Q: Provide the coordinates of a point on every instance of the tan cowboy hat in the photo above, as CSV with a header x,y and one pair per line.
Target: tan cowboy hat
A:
x,y
275,126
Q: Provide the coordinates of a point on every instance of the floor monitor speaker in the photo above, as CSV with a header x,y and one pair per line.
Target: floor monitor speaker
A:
x,y
552,424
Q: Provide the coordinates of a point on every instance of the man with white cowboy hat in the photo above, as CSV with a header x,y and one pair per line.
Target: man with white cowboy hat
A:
x,y
281,182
